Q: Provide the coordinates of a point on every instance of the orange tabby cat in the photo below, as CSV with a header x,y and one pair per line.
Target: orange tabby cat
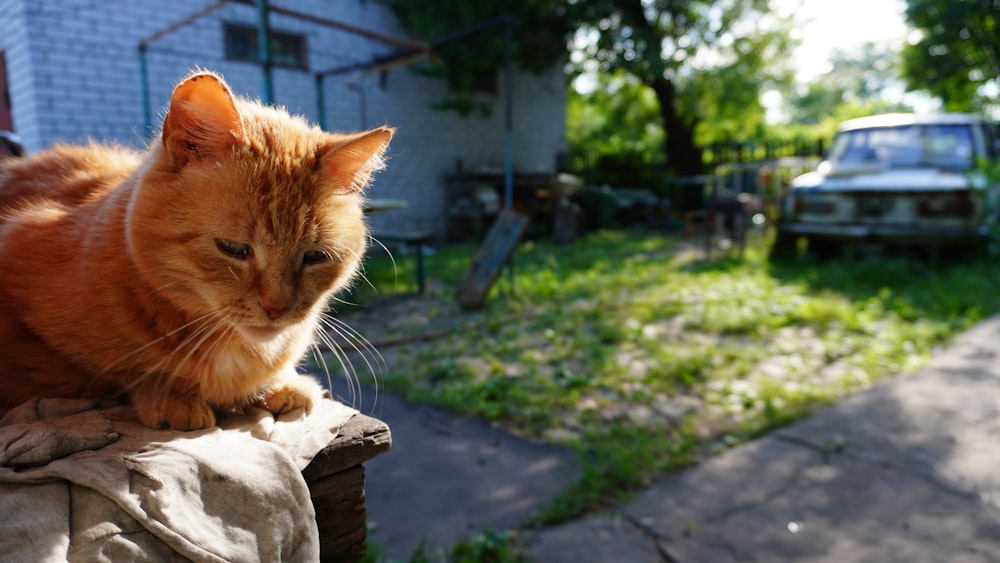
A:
x,y
191,277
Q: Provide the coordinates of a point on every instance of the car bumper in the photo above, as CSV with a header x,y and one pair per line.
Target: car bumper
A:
x,y
901,234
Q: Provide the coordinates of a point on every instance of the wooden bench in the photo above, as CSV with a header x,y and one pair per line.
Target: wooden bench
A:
x,y
414,241
336,480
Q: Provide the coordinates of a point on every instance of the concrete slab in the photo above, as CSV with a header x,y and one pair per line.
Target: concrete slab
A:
x,y
906,471
448,477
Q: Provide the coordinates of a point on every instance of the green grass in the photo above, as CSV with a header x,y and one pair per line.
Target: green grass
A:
x,y
645,359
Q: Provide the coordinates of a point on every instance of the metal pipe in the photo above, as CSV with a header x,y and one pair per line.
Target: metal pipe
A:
x,y
147,116
181,23
416,50
507,21
378,64
508,160
320,105
508,153
264,40
367,33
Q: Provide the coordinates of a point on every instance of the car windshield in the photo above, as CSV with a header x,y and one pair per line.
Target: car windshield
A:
x,y
942,146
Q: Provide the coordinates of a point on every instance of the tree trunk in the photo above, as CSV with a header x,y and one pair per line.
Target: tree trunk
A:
x,y
683,156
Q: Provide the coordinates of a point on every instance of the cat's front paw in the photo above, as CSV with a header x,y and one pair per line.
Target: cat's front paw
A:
x,y
176,413
288,395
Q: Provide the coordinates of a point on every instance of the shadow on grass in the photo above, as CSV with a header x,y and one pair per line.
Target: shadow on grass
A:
x,y
958,290
580,312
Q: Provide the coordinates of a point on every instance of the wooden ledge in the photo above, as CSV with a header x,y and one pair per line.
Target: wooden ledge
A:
x,y
360,440
336,480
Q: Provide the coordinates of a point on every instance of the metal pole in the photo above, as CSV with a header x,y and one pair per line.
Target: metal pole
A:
x,y
508,161
264,39
320,106
508,157
147,116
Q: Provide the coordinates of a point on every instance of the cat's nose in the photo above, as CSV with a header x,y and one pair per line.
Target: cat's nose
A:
x,y
274,311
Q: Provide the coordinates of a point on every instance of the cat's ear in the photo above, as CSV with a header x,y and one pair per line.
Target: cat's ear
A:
x,y
202,122
349,163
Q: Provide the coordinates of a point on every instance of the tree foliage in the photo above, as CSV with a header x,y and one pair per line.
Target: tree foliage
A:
x,y
613,130
470,65
958,51
618,115
705,61
854,86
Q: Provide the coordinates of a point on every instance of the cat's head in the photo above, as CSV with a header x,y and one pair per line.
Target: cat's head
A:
x,y
247,214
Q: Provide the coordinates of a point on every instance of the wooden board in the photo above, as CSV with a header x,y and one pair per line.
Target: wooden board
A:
x,y
336,482
489,261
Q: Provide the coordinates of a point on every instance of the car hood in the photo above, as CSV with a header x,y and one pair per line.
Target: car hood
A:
x,y
909,179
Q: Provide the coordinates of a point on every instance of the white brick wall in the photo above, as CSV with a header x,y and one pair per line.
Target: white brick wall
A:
x,y
17,53
73,70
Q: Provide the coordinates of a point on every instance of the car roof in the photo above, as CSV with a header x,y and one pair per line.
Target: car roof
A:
x,y
901,119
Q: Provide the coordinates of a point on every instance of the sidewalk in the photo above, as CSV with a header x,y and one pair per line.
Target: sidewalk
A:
x,y
449,477
907,471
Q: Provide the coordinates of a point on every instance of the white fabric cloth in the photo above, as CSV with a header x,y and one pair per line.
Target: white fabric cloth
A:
x,y
82,483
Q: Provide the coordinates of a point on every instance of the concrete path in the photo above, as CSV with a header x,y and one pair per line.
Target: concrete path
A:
x,y
908,471
449,477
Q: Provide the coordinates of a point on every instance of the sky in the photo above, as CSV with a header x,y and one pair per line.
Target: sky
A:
x,y
825,25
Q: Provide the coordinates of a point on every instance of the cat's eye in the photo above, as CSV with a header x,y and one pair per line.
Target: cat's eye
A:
x,y
237,250
315,257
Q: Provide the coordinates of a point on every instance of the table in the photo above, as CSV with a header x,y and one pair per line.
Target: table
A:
x,y
413,239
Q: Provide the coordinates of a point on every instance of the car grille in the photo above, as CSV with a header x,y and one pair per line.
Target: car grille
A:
x,y
872,206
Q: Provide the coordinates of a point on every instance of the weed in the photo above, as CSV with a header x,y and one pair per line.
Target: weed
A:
x,y
713,352
490,546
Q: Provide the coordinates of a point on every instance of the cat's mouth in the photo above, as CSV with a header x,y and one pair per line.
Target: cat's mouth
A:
x,y
262,333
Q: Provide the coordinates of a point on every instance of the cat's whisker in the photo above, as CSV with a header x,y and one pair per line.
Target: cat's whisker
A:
x,y
317,353
368,282
343,302
361,345
374,240
356,339
366,350
195,343
162,366
230,332
350,375
392,259
126,357
360,274
207,332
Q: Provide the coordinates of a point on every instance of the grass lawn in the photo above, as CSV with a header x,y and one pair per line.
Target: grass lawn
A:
x,y
645,358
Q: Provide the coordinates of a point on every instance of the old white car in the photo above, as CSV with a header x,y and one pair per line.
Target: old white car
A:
x,y
894,179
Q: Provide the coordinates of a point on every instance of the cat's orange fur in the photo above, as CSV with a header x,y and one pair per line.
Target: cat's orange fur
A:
x,y
191,276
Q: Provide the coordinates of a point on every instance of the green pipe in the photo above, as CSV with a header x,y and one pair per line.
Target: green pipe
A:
x,y
264,39
508,146
508,94
320,106
147,116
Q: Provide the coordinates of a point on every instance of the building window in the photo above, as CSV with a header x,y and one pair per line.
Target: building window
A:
x,y
287,49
